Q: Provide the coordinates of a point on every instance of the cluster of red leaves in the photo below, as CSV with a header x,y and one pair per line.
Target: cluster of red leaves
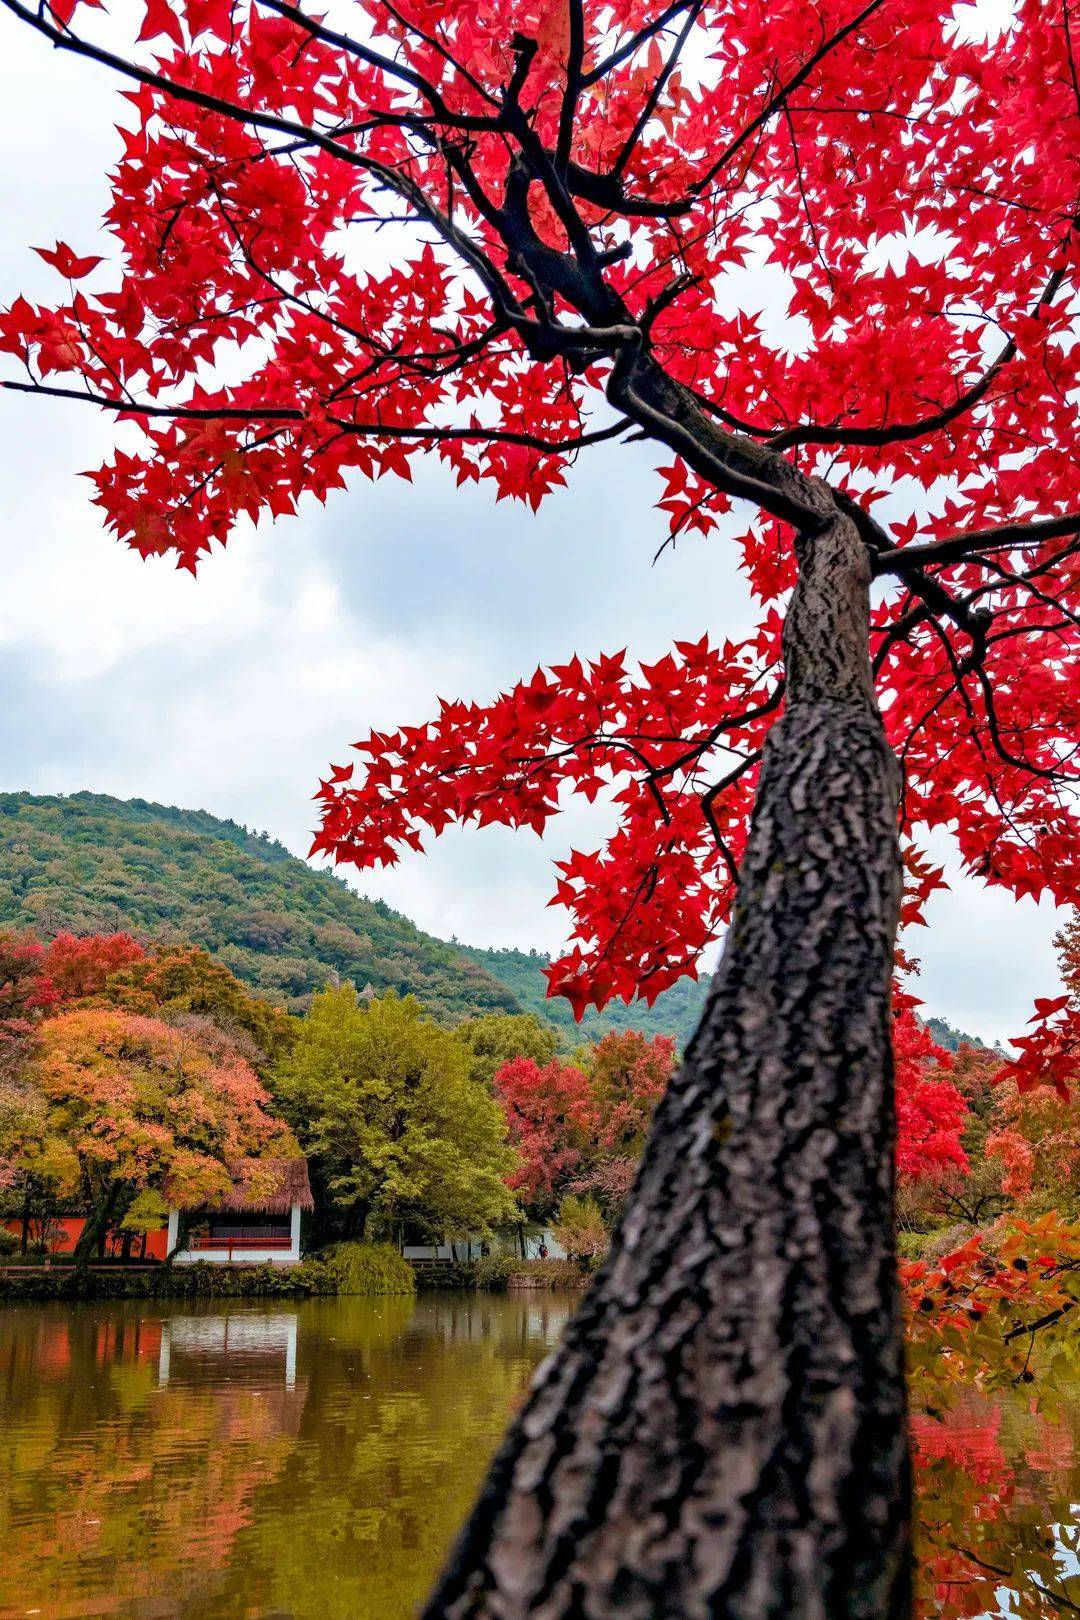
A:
x,y
645,905
37,980
930,1110
921,222
578,1128
550,1121
1050,1054
77,966
230,231
973,1314
582,1128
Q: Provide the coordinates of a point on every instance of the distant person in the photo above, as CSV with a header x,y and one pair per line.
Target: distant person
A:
x,y
543,1250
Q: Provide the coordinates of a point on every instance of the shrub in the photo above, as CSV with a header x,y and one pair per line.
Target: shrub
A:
x,y
549,1274
361,1268
910,1245
494,1271
459,1274
580,1229
9,1242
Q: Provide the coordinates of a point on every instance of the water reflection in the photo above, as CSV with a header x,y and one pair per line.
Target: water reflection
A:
x,y
243,1345
281,1461
313,1461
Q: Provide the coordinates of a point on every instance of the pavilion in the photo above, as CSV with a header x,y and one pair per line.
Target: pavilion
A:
x,y
256,1223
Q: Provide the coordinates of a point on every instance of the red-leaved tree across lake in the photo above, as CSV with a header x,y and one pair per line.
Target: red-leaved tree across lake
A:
x,y
572,192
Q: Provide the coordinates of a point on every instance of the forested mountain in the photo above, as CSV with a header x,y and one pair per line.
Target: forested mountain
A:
x,y
952,1039
676,1012
91,863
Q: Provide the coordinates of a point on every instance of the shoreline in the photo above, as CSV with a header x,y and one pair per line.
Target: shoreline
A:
x,y
313,1277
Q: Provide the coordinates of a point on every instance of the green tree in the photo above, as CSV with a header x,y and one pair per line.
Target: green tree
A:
x,y
401,1132
580,1229
497,1038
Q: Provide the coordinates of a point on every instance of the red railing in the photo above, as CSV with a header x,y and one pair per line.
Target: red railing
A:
x,y
205,1241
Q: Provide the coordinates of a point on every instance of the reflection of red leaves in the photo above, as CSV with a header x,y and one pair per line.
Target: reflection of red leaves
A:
x,y
968,1338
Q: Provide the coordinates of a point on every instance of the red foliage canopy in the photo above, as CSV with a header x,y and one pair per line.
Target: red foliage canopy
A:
x,y
930,1110
78,965
550,1120
585,185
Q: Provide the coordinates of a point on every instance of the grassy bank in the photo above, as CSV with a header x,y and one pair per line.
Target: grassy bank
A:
x,y
348,1268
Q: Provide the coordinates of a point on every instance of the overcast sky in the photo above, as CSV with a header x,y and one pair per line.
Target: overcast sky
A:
x,y
233,692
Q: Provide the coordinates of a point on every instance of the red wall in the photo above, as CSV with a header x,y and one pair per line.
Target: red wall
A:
x,y
68,1230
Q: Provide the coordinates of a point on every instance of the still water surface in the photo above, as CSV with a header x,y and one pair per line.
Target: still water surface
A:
x,y
313,1460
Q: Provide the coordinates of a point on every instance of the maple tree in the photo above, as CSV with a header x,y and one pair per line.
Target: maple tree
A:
x,y
572,193
175,982
930,1110
36,981
551,1122
89,1115
78,966
142,1106
628,1074
1036,1137
26,995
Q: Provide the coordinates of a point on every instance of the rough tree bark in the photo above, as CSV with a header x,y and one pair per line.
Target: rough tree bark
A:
x,y
722,1432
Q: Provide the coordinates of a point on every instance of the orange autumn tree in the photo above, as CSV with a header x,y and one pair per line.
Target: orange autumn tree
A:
x,y
1036,1140
565,197
144,1108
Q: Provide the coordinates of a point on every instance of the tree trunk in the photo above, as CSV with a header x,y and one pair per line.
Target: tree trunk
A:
x,y
722,1431
96,1227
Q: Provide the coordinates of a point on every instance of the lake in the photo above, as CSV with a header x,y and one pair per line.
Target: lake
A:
x,y
313,1460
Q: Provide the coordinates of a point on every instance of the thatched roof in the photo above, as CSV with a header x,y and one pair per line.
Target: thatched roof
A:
x,y
269,1186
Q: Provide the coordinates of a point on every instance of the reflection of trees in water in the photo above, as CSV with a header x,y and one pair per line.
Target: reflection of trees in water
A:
x,y
115,1487
998,1482
395,1436
218,1491
164,1455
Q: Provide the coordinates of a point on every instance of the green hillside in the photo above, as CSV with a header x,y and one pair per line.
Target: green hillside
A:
x,y
952,1039
91,863
675,1012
